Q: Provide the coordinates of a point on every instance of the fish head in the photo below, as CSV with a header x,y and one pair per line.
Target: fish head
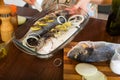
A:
x,y
80,53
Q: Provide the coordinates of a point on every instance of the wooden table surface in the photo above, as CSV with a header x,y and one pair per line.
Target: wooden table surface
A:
x,y
94,31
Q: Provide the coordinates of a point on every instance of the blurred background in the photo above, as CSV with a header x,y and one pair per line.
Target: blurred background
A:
x,y
103,11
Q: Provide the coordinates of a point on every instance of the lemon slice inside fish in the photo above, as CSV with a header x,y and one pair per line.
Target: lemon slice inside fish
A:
x,y
50,20
41,23
85,69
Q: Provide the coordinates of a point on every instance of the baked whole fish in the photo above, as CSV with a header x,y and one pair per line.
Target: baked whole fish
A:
x,y
89,51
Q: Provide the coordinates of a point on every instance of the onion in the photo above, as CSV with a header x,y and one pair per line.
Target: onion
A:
x,y
85,69
89,72
98,76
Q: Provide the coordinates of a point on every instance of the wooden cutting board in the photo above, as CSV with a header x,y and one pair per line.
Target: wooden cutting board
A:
x,y
71,74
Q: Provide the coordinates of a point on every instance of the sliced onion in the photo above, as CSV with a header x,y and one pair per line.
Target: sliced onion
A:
x,y
98,76
86,69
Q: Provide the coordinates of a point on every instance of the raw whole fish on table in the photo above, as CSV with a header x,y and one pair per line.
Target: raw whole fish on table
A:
x,y
89,51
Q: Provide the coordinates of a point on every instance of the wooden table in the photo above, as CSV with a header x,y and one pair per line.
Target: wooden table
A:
x,y
18,65
94,31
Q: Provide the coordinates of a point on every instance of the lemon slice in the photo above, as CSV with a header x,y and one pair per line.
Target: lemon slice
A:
x,y
50,20
68,24
35,28
42,24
